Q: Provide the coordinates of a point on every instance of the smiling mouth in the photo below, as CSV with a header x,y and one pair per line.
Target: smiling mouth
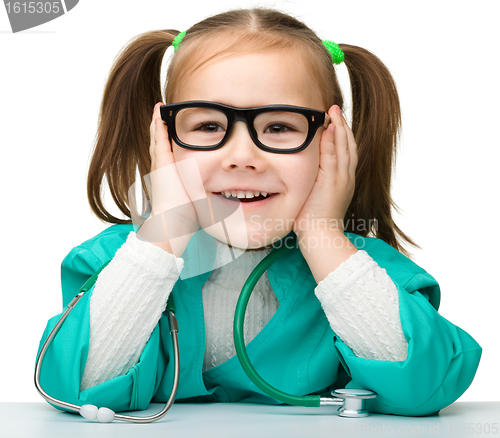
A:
x,y
245,200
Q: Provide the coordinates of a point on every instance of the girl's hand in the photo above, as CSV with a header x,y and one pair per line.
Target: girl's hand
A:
x,y
333,189
173,214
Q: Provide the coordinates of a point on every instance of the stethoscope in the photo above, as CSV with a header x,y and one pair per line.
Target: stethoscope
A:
x,y
350,402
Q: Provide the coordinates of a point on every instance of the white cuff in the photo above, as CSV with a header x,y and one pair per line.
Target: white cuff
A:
x,y
361,303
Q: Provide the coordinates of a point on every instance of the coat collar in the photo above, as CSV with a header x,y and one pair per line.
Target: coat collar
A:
x,y
200,256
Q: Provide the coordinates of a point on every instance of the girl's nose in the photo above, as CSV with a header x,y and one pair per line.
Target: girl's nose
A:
x,y
241,150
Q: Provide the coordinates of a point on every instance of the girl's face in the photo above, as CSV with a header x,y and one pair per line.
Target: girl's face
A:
x,y
251,80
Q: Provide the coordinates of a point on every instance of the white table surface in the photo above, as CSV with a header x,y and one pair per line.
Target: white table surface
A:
x,y
238,420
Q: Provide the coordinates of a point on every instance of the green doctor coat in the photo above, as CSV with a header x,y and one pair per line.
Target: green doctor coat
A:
x,y
296,352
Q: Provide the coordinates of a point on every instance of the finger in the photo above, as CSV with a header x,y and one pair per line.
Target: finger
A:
x,y
152,129
340,139
163,154
353,150
156,113
327,146
156,110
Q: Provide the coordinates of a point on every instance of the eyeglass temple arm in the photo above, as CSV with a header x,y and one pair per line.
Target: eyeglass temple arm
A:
x,y
328,120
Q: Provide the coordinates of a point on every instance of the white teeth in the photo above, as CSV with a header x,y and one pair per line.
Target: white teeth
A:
x,y
242,194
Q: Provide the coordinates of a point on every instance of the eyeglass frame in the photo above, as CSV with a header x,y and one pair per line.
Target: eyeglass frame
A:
x,y
315,118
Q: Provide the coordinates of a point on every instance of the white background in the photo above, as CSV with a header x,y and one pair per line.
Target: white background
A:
x,y
444,58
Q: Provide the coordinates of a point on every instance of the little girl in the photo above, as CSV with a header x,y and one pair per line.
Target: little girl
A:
x,y
339,308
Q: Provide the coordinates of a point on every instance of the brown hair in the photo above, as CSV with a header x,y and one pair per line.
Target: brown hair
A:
x,y
133,88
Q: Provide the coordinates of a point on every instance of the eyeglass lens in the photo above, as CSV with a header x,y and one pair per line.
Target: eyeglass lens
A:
x,y
207,126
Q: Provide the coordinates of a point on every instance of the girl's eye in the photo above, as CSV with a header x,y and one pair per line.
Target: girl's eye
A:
x,y
209,127
277,128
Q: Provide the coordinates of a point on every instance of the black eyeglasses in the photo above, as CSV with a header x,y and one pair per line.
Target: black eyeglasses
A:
x,y
206,126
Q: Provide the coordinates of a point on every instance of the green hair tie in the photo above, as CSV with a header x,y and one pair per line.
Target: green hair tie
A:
x,y
177,40
335,51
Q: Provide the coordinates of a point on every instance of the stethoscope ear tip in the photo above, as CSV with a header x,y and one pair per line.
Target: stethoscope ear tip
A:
x,y
103,415
89,412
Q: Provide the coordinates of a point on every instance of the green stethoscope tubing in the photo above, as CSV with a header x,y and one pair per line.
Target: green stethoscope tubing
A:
x,y
239,343
239,319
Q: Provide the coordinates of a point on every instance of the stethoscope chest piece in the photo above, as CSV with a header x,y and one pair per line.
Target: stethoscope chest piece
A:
x,y
354,402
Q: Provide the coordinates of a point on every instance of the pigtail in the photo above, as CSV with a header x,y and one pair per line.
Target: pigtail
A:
x,y
376,124
122,140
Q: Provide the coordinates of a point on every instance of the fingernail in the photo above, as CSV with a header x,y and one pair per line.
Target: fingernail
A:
x,y
339,111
